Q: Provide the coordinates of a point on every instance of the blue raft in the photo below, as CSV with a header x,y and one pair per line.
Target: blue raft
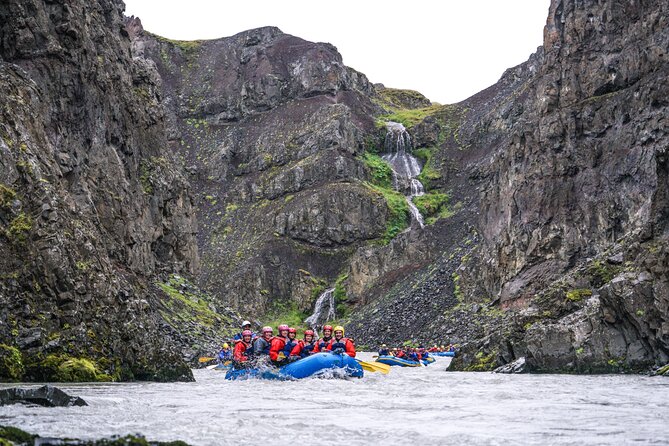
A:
x,y
451,354
224,366
303,368
391,360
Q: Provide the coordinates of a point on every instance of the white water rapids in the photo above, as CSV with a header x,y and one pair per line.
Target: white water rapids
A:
x,y
424,405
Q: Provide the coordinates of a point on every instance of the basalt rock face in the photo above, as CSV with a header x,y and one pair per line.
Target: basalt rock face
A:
x,y
574,207
270,129
92,208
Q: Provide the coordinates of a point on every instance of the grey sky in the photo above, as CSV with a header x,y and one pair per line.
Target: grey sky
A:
x,y
446,49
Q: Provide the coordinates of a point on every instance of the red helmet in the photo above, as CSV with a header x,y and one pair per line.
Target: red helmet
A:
x,y
308,332
327,327
267,330
283,327
247,333
292,330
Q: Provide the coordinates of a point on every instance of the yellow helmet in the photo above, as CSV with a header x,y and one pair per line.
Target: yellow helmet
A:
x,y
225,345
338,328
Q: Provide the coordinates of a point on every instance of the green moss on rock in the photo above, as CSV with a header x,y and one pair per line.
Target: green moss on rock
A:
x,y
11,363
398,212
80,370
65,368
342,307
16,436
483,363
428,174
380,171
578,294
433,206
19,228
7,196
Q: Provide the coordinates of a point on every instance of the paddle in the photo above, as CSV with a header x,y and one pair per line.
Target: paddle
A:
x,y
213,366
205,359
374,367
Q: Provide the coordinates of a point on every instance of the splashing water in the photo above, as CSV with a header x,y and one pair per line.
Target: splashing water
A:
x,y
326,297
404,165
424,404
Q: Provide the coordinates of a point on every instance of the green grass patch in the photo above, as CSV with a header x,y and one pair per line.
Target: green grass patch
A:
x,y
410,117
187,46
380,171
397,98
398,210
433,206
185,305
342,307
428,174
286,313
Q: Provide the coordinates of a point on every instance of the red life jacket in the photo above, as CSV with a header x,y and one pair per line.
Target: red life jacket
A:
x,y
239,354
344,343
276,346
303,349
321,344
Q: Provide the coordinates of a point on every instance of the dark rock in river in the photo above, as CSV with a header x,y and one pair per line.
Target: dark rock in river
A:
x,y
47,396
18,437
517,366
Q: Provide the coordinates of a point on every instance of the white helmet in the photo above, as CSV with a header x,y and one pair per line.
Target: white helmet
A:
x,y
245,323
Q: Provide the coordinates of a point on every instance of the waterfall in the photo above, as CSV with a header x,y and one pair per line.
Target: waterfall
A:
x,y
326,298
405,166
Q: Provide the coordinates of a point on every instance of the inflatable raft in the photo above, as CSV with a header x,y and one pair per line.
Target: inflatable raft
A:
x,y
391,360
451,354
313,365
224,366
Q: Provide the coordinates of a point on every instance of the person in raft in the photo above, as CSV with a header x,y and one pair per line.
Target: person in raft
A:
x,y
304,347
243,351
340,344
246,325
277,345
383,351
323,342
291,343
262,344
225,354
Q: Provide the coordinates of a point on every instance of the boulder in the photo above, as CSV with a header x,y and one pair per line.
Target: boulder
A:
x,y
517,366
47,396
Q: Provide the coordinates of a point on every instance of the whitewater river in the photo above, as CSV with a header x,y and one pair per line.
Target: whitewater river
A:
x,y
426,406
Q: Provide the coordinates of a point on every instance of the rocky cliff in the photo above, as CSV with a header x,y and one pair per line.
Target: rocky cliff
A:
x,y
547,242
573,208
275,134
152,187
92,208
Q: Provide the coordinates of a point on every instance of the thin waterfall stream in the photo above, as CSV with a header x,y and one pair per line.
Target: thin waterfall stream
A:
x,y
405,167
326,298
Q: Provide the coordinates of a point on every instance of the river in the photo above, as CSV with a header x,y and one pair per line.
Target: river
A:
x,y
410,405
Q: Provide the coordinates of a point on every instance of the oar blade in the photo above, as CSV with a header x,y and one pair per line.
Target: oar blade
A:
x,y
374,367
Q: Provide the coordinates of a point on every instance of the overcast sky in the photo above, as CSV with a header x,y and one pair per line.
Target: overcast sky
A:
x,y
446,49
